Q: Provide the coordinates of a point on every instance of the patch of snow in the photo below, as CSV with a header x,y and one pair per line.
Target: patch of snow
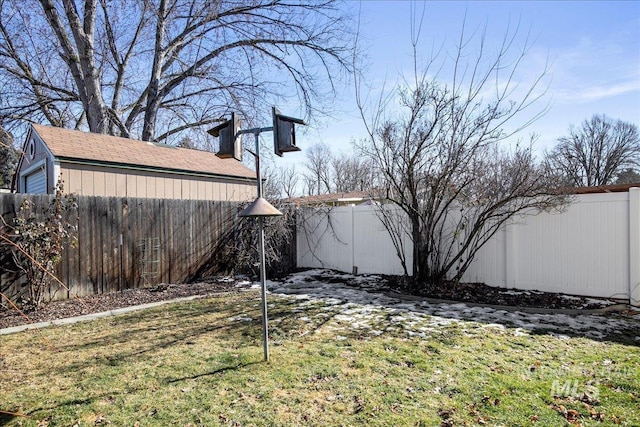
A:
x,y
559,336
520,332
602,302
240,318
516,292
365,302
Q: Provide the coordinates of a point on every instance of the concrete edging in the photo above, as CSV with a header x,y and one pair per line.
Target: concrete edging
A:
x,y
93,316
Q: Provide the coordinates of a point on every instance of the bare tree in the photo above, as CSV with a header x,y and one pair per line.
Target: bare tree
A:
x,y
328,172
280,182
628,176
318,162
442,152
155,68
8,158
596,152
288,181
352,173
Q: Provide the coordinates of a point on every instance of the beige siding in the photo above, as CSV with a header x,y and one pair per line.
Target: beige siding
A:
x,y
141,185
232,191
87,183
65,178
186,188
99,184
132,187
151,187
168,189
202,190
110,183
216,193
121,185
113,182
74,183
193,190
177,188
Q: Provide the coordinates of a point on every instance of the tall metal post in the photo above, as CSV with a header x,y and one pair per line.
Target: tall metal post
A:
x,y
263,274
283,128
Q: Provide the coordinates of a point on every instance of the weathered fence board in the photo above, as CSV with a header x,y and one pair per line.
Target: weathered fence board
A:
x,y
128,242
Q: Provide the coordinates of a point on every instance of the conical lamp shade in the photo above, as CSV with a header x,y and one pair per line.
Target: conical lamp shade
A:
x,y
260,207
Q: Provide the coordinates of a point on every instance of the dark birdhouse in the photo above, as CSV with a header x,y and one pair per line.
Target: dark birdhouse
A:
x,y
284,133
230,142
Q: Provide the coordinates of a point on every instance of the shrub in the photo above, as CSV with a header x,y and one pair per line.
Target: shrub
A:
x,y
38,241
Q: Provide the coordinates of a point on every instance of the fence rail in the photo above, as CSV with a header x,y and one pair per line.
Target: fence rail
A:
x,y
130,242
590,249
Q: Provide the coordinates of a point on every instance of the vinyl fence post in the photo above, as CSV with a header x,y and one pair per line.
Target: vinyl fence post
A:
x,y
634,246
510,254
354,267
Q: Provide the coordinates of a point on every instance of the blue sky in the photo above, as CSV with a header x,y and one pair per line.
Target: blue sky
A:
x,y
593,48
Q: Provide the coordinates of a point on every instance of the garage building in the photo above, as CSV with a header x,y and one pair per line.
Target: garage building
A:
x,y
102,165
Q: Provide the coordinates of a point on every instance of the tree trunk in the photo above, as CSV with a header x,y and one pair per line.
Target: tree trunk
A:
x,y
419,259
153,100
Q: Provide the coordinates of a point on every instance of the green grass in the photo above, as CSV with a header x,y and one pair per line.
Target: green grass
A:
x,y
200,363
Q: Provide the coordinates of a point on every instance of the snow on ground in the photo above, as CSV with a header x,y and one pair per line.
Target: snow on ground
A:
x,y
361,303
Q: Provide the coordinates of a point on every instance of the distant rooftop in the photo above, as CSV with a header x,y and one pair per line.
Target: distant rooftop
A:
x,y
353,197
359,197
616,188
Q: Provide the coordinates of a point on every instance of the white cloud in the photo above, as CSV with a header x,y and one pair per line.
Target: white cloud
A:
x,y
593,93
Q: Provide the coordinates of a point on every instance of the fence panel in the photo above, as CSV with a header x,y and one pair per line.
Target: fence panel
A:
x,y
373,249
128,242
583,250
325,239
592,248
348,238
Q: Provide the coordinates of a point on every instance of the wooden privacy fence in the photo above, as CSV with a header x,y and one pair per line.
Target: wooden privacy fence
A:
x,y
130,242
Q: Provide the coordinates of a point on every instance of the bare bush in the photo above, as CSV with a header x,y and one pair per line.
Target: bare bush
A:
x,y
448,161
36,242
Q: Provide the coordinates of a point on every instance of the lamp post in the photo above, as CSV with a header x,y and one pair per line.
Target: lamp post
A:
x,y
230,146
260,209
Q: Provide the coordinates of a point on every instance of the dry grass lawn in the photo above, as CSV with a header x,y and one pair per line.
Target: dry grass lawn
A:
x,y
200,364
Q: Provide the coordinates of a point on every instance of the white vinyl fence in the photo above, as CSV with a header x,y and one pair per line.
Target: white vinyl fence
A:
x,y
590,249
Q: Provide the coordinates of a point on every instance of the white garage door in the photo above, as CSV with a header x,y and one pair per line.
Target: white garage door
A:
x,y
36,183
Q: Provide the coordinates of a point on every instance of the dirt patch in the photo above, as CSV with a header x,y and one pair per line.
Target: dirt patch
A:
x,y
106,302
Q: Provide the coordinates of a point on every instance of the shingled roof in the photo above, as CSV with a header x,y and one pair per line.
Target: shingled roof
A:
x,y
68,144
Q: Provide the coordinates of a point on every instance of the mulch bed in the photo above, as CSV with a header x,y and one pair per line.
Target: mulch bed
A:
x,y
476,293
105,302
480,293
